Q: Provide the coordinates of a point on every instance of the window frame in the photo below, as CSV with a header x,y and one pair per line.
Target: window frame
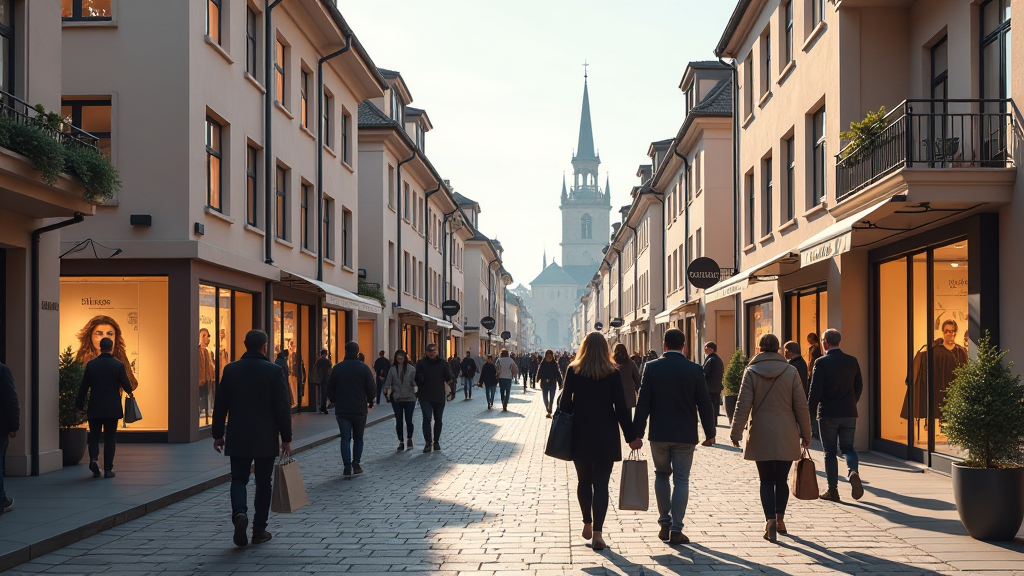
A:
x,y
304,215
817,13
790,145
219,38
326,104
325,222
346,237
789,34
280,72
819,156
77,105
218,153
346,135
76,14
768,198
766,79
252,185
751,193
304,76
281,202
251,40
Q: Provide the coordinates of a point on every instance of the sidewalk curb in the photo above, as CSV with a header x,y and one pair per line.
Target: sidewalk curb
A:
x,y
53,543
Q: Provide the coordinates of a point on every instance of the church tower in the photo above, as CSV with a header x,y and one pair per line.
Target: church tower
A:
x,y
586,207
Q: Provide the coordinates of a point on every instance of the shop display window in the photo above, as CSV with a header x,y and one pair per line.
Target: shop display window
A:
x,y
133,312
290,346
760,318
225,316
807,314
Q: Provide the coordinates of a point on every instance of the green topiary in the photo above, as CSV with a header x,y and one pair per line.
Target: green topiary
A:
x,y
99,176
70,378
734,373
863,136
983,412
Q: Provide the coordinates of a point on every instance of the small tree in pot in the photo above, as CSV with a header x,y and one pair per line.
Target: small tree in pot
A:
x,y
72,438
732,380
983,413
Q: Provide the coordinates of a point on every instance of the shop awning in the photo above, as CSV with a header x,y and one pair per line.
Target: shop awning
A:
x,y
778,266
423,316
675,312
728,287
337,297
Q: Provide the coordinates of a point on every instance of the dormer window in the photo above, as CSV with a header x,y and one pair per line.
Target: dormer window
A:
x,y
397,108
420,136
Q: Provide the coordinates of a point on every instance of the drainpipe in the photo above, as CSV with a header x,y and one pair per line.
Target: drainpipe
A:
x,y
619,253
686,223
268,155
398,218
320,156
426,248
735,192
34,337
445,264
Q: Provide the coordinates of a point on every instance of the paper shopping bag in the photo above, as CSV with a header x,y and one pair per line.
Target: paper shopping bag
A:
x,y
131,410
803,481
289,492
633,491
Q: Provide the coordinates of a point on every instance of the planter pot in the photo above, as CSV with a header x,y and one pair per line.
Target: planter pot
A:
x,y
730,405
73,444
990,501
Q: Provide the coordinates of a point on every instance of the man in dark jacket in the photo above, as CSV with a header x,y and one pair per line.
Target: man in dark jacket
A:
x,y
106,377
672,393
836,386
468,371
791,350
351,388
253,392
10,423
532,369
380,370
714,371
433,376
282,361
318,377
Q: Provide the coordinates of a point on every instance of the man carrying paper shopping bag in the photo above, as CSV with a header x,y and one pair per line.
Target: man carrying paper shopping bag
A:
x,y
672,393
253,393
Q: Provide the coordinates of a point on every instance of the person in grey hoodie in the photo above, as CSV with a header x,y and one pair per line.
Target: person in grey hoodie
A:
x,y
400,386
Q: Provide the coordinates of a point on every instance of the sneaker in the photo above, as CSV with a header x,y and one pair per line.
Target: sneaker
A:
x,y
261,537
8,504
347,474
858,486
437,447
241,522
109,474
678,538
95,468
427,449
832,495
401,446
357,469
663,532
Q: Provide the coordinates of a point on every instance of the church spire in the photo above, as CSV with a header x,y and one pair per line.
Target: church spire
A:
x,y
565,194
607,186
545,266
585,146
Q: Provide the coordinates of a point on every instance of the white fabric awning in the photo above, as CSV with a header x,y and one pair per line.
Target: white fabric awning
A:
x,y
337,297
777,266
674,312
836,239
400,310
727,288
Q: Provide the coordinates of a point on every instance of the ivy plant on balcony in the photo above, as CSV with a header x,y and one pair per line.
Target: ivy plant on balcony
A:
x,y
35,139
863,136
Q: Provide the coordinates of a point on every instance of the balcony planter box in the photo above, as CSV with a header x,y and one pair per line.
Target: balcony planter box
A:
x,y
990,501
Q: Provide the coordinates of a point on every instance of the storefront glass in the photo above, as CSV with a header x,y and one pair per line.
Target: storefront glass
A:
x,y
806,314
759,322
289,336
133,312
225,316
333,332
412,341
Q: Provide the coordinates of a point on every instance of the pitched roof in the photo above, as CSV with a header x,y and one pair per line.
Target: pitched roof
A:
x,y
553,275
370,115
717,102
585,145
462,200
707,65
730,28
581,274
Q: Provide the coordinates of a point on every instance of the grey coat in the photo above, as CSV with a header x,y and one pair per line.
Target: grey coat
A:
x,y
401,389
772,391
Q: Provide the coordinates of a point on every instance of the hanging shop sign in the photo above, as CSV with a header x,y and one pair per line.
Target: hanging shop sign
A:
x,y
615,323
703,272
598,326
450,307
487,322
506,335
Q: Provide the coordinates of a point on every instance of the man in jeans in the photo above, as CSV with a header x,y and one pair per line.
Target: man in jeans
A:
x,y
10,422
835,390
253,392
436,383
468,370
380,369
351,388
672,393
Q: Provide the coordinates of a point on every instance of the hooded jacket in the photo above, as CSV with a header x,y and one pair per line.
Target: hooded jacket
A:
x,y
401,389
772,397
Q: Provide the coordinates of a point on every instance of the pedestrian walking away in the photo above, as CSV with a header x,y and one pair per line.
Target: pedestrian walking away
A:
x,y
282,361
524,370
467,371
104,380
380,373
436,384
489,380
629,374
791,351
672,394
836,386
549,376
593,395
351,387
401,388
714,373
534,364
506,372
772,395
10,423
253,394
318,377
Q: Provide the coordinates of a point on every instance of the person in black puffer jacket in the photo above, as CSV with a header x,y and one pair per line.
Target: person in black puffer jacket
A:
x,y
352,388
489,380
436,383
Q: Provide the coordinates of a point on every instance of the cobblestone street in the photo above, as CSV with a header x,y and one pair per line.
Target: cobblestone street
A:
x,y
492,503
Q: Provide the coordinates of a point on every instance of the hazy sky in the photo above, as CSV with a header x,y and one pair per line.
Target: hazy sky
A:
x,y
502,82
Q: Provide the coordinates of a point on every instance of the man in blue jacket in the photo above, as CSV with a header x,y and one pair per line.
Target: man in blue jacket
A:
x,y
351,387
672,393
10,422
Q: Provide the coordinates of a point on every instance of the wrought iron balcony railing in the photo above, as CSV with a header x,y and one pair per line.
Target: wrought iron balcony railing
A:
x,y
16,110
931,134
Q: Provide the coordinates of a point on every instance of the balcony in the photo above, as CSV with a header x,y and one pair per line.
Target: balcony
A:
x,y
372,290
968,137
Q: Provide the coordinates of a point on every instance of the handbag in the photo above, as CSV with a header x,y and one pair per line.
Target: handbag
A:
x,y
131,410
634,493
803,480
289,492
559,443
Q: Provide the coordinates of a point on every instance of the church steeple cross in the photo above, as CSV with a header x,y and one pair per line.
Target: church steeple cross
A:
x,y
585,69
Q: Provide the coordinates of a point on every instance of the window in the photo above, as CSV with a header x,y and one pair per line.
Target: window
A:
x,y
250,41
750,208
699,251
405,201
251,167
213,20
818,160
391,186
305,230
789,32
325,111
748,85
585,227
405,277
817,12
346,132
769,197
346,238
790,179
281,203
995,76
83,9
92,116
766,71
328,238
304,97
214,178
391,264
279,70
7,46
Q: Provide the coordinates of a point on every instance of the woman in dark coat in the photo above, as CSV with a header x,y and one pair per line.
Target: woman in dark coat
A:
x,y
489,379
549,375
593,395
629,373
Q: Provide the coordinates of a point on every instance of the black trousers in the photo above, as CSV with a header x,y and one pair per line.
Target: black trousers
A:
x,y
774,476
592,490
716,401
109,427
432,411
264,468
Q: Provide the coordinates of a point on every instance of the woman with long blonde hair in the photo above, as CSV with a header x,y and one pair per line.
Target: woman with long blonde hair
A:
x,y
593,395
98,328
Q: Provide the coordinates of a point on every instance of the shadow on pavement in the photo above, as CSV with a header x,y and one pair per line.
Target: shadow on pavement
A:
x,y
915,501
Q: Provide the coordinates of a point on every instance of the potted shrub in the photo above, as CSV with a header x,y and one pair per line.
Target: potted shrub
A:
x,y
983,413
731,381
73,438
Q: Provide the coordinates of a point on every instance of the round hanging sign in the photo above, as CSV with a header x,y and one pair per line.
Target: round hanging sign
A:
x,y
506,335
703,272
487,322
450,307
598,326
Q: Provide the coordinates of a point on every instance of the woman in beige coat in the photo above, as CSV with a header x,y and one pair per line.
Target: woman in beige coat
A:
x,y
772,395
